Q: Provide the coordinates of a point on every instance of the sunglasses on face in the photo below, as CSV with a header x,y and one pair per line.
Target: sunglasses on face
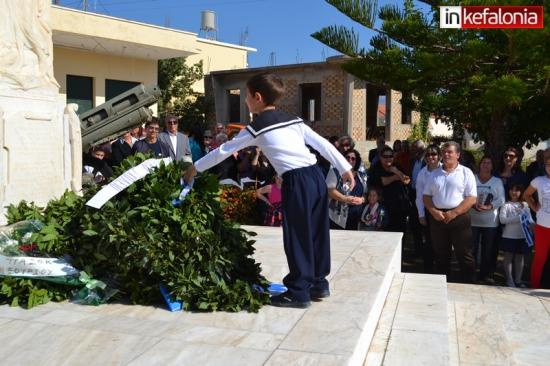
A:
x,y
351,158
207,138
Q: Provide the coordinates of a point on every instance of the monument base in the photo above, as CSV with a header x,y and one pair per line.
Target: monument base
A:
x,y
32,147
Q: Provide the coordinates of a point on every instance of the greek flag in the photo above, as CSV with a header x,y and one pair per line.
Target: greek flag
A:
x,y
526,223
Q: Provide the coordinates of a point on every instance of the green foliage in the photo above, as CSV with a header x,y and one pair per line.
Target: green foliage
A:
x,y
494,82
29,293
139,240
23,211
420,130
176,79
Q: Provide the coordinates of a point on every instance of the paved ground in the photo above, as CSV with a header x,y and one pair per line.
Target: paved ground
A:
x,y
336,331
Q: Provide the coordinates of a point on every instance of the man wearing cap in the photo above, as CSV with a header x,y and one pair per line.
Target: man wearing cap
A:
x,y
177,141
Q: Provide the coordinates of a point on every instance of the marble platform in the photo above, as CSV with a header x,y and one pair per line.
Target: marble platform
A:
x,y
335,331
499,325
457,324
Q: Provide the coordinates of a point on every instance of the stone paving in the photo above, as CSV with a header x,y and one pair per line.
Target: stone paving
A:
x,y
460,325
336,331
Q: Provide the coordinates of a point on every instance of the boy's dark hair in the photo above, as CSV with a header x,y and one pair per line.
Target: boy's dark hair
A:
x,y
269,86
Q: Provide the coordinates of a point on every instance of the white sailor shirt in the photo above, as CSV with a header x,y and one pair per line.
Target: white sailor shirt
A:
x,y
283,138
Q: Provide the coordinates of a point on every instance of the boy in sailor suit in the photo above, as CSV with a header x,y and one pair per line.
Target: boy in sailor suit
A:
x,y
283,138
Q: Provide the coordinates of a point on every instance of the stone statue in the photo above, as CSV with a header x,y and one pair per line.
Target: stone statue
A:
x,y
26,48
35,152
75,155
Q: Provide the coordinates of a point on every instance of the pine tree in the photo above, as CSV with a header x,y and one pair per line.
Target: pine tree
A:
x,y
494,82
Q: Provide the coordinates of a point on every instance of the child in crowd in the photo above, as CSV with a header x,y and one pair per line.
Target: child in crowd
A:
x,y
374,216
513,241
283,138
274,214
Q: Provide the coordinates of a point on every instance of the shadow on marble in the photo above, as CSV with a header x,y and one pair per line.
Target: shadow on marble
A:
x,y
269,319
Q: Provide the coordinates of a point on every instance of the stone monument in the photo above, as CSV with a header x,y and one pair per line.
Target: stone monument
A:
x,y
37,143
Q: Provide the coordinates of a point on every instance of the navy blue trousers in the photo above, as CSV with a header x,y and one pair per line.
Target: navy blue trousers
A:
x,y
305,231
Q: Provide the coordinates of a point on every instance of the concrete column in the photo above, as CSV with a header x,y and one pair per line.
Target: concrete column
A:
x,y
389,119
220,101
244,115
349,84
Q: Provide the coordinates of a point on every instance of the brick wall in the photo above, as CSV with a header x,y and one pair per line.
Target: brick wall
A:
x,y
332,100
290,101
398,131
359,110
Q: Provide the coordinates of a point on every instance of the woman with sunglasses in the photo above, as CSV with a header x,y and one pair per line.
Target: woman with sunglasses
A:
x,y
510,168
387,176
345,208
432,157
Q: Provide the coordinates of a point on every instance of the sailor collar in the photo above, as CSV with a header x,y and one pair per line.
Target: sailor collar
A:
x,y
270,120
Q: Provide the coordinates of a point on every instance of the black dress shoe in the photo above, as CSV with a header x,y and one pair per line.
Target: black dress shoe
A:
x,y
286,301
316,294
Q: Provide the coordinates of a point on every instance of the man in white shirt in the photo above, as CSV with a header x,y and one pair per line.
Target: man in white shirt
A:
x,y
448,195
177,141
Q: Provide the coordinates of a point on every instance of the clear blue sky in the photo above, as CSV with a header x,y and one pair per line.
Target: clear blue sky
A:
x,y
279,26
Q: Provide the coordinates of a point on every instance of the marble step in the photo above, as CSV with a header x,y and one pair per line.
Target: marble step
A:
x,y
499,325
414,324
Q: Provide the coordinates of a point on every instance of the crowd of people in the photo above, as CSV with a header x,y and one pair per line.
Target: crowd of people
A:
x,y
438,196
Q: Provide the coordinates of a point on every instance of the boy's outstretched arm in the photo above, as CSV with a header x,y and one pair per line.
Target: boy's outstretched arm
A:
x,y
330,153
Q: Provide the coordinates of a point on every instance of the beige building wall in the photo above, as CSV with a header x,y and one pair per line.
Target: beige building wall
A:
x,y
105,47
146,40
101,67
